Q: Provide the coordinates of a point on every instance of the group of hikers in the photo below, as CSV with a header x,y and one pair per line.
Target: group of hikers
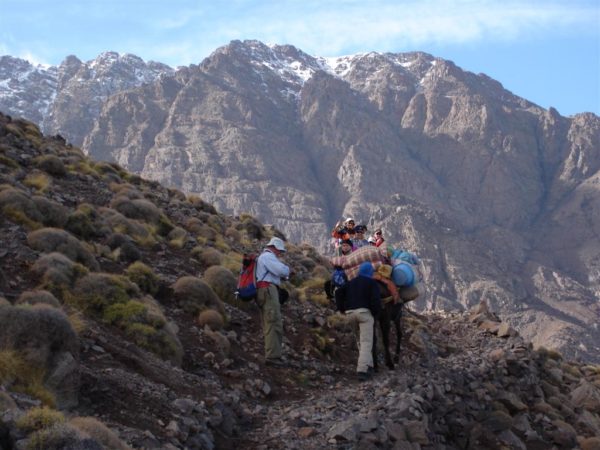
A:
x,y
347,236
359,298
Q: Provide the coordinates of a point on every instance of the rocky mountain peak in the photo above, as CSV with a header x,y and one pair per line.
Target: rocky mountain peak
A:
x,y
495,193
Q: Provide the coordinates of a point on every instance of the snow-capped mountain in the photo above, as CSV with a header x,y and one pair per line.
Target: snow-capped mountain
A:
x,y
497,194
65,99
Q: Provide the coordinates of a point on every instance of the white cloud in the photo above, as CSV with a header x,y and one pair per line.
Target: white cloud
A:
x,y
387,25
33,59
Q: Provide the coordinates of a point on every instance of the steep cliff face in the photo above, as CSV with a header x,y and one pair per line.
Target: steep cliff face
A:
x,y
498,195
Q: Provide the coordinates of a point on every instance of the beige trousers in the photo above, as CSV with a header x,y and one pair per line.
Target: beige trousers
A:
x,y
268,301
365,321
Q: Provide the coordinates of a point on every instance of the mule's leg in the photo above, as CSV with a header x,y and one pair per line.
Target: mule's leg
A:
x,y
398,326
385,337
375,363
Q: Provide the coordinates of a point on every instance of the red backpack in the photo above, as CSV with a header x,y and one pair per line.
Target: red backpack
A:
x,y
246,286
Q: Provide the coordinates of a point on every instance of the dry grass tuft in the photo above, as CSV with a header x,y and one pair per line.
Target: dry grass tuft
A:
x,y
56,240
51,164
17,205
177,237
97,291
143,276
207,256
85,222
212,319
98,431
37,180
194,295
222,282
39,418
57,271
38,297
138,209
53,214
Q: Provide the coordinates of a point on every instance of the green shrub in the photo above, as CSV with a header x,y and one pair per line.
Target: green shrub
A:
x,y
233,234
211,318
207,256
95,292
177,237
193,225
37,333
322,272
98,431
176,194
124,313
17,216
128,252
53,214
117,301
51,164
39,418
222,282
143,276
14,201
201,205
84,222
165,226
57,240
221,342
126,190
308,263
216,223
37,297
139,209
253,227
37,180
207,233
121,224
159,341
104,168
57,270
10,366
6,401
194,295
154,312
8,162
45,341
59,437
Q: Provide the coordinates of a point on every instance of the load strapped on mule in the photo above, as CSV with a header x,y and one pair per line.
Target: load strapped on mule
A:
x,y
406,267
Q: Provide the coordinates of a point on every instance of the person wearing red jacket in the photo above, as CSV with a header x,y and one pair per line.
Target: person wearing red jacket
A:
x,y
378,236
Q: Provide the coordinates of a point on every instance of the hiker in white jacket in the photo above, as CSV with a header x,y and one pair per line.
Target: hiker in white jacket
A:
x,y
269,272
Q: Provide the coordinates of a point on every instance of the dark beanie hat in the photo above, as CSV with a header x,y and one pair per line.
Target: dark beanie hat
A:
x,y
366,270
347,241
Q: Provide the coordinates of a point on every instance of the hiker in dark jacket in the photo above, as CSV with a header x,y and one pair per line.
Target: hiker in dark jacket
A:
x,y
361,301
359,238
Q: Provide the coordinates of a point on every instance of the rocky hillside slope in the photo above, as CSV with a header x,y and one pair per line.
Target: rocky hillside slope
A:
x,y
496,194
118,329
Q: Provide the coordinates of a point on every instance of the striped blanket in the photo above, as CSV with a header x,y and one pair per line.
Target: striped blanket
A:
x,y
350,263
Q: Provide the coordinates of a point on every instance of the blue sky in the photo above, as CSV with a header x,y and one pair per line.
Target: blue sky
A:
x,y
547,51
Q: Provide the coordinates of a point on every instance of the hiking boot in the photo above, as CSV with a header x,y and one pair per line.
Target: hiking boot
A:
x,y
363,376
276,362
